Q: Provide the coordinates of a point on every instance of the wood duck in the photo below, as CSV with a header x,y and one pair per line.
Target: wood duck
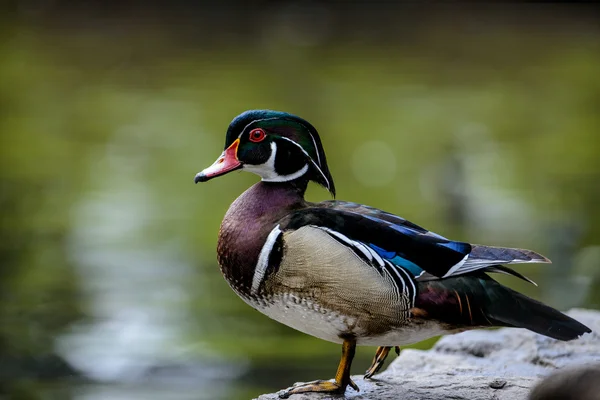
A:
x,y
349,273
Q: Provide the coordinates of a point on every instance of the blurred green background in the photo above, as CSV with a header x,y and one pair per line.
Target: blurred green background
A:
x,y
481,123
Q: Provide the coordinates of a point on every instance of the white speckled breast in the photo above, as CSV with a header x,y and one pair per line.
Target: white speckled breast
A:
x,y
309,317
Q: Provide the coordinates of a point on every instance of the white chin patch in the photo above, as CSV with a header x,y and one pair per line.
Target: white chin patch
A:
x,y
267,170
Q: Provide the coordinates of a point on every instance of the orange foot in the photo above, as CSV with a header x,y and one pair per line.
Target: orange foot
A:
x,y
380,356
319,386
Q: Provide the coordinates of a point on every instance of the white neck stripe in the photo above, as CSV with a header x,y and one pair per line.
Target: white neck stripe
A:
x,y
311,160
287,178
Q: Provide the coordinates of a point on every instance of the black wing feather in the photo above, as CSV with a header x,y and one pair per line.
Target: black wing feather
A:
x,y
434,254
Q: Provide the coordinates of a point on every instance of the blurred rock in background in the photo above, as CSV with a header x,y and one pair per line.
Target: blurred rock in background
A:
x,y
572,384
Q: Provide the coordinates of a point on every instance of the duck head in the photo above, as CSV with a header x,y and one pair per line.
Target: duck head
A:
x,y
275,145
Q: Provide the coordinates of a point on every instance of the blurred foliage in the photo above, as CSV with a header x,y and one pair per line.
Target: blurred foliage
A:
x,y
489,131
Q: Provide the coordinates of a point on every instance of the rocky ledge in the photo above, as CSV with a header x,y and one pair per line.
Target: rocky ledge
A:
x,y
503,364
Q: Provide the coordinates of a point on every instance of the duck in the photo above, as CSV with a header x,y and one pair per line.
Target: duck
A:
x,y
349,273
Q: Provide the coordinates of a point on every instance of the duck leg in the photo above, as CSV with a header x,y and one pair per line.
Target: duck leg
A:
x,y
380,356
342,376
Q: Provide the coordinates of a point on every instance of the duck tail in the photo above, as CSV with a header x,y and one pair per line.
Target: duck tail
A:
x,y
524,312
478,301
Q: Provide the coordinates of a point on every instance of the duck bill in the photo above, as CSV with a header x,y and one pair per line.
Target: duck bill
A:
x,y
226,162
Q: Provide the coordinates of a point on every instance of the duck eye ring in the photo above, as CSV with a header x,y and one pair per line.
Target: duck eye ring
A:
x,y
257,135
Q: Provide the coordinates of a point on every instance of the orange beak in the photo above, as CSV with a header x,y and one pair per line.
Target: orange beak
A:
x,y
227,162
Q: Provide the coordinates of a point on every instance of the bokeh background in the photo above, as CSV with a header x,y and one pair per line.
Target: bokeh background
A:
x,y
481,123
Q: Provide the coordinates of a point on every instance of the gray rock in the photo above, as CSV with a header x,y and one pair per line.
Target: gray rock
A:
x,y
501,364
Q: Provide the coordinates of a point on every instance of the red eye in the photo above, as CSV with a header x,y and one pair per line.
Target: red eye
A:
x,y
257,135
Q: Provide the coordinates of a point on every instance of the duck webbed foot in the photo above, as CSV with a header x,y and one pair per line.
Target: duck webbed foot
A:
x,y
342,376
380,356
332,387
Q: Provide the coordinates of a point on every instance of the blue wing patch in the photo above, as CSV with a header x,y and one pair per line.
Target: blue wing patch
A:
x,y
460,247
398,260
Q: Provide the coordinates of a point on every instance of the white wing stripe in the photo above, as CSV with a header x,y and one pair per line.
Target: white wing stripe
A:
x,y
376,256
412,283
456,267
467,265
406,292
263,259
368,252
352,243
